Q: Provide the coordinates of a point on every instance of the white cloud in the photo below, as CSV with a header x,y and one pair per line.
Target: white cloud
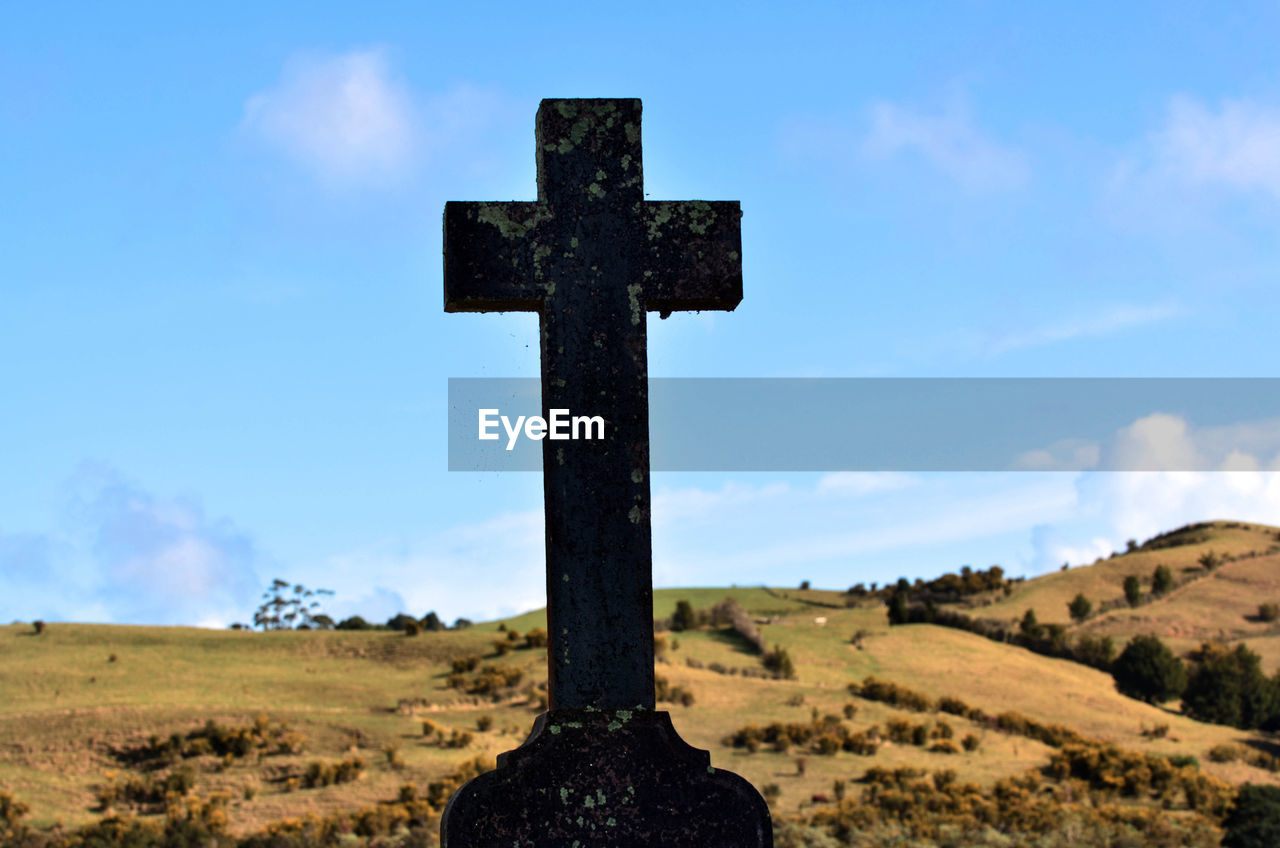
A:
x,y
1236,146
345,117
859,483
692,502
1138,505
126,555
1105,322
949,141
1179,176
1062,455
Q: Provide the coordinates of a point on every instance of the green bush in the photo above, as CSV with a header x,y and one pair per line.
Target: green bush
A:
x,y
1228,687
1268,612
1029,626
1147,670
1254,819
684,618
1132,590
1080,607
1161,580
779,662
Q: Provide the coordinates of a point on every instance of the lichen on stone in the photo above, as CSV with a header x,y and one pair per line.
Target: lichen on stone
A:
x,y
637,308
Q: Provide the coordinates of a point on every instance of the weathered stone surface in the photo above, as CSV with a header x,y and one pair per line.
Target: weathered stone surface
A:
x,y
592,257
618,778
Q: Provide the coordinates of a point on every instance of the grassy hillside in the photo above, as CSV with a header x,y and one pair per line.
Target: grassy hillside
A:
x,y
81,703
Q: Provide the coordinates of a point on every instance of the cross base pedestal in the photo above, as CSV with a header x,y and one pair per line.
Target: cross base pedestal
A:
x,y
621,778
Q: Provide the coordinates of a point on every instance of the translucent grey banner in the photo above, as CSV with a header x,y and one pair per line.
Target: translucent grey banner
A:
x,y
914,424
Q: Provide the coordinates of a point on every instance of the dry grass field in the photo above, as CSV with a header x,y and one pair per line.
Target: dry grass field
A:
x,y
78,698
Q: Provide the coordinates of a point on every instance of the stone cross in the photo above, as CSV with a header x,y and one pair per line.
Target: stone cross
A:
x,y
592,257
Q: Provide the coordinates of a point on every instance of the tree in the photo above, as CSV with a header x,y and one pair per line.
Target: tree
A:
x,y
321,622
400,621
684,618
898,608
432,622
1080,607
1228,687
282,609
1132,590
1147,670
1029,626
1254,820
1210,560
1095,651
1161,580
354,622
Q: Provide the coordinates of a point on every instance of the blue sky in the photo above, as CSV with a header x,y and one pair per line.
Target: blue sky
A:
x,y
223,356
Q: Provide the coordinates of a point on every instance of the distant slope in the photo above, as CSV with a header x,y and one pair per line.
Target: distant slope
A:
x,y
75,693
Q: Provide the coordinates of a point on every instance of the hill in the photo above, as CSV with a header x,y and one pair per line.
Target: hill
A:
x,y
89,708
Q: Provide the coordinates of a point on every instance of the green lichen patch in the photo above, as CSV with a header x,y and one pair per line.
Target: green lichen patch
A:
x,y
701,215
661,215
637,308
499,215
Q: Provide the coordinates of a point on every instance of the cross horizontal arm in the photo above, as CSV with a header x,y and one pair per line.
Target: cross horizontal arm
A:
x,y
694,255
493,256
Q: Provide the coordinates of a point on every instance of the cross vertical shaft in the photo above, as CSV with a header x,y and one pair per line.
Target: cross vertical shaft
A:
x,y
591,257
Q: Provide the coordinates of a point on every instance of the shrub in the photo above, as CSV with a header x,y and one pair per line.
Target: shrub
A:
x,y
320,773
490,680
663,690
886,692
944,746
38,625
1210,560
411,628
354,622
464,664
684,618
739,619
1098,652
400,621
535,638
1254,819
1161,580
1268,612
1132,590
1029,626
970,742
1147,670
1080,607
1228,687
484,723
1225,753
779,662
